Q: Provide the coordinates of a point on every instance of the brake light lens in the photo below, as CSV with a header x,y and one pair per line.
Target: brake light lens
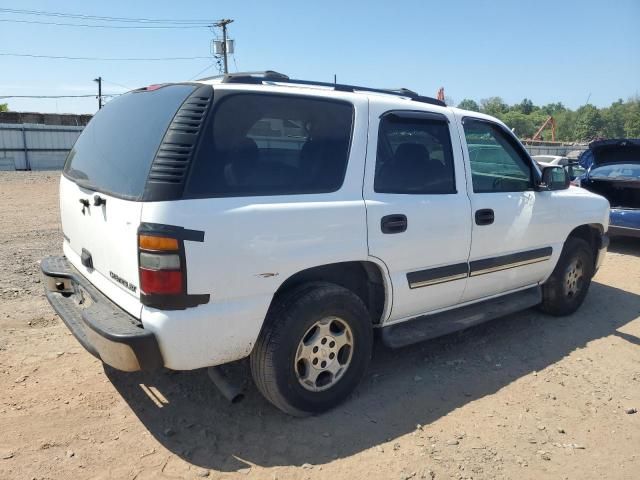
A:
x,y
160,265
160,282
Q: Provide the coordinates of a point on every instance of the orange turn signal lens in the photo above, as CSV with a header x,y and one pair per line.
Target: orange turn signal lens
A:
x,y
149,242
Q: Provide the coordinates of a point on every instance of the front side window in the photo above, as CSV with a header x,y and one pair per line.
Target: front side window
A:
x,y
263,144
414,156
496,165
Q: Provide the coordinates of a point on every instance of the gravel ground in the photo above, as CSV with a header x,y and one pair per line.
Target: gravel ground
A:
x,y
526,396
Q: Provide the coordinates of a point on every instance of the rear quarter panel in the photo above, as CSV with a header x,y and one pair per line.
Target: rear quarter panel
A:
x,y
251,246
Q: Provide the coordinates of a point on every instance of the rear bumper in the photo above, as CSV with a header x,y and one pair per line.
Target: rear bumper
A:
x,y
102,328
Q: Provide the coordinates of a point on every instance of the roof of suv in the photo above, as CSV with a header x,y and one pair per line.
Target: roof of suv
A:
x,y
278,79
277,82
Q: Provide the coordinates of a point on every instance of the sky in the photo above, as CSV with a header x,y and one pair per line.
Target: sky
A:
x,y
548,51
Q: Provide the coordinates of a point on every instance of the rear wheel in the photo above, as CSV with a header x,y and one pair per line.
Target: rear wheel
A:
x,y
313,350
567,287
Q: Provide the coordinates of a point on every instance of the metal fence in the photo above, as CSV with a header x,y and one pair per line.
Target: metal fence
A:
x,y
35,147
31,146
557,149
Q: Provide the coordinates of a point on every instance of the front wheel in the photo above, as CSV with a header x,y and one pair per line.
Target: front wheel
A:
x,y
313,349
567,287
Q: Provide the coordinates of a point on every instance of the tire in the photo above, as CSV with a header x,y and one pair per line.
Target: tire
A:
x,y
297,323
567,287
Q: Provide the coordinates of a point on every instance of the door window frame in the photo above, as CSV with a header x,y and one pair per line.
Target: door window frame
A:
x,y
535,174
417,115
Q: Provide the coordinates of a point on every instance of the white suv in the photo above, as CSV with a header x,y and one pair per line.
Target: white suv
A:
x,y
287,220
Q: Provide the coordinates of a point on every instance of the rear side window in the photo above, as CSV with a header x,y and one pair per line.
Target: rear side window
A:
x,y
115,151
262,144
414,156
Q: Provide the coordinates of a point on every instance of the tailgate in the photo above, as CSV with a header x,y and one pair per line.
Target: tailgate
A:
x,y
103,185
107,235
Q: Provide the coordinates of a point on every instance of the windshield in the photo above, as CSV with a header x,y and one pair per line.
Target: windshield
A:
x,y
619,171
115,151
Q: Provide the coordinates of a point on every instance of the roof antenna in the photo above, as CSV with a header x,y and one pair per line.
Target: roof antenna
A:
x,y
335,79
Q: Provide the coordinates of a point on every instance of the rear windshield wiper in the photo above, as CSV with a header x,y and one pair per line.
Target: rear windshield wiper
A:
x,y
85,184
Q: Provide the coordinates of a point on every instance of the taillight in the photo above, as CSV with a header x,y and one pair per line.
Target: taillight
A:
x,y
160,264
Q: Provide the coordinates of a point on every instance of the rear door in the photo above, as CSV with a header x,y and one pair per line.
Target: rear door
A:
x,y
418,212
102,187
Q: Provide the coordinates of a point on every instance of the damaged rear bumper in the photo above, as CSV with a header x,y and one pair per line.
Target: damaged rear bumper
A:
x,y
102,328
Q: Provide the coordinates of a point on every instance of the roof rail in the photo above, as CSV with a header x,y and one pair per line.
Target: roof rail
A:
x,y
276,77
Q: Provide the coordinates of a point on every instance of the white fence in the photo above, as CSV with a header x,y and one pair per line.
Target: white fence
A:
x,y
35,147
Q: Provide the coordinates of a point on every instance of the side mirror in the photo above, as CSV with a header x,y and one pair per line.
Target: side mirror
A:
x,y
554,178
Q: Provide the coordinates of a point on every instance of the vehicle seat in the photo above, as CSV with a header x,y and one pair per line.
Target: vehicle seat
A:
x,y
321,163
243,158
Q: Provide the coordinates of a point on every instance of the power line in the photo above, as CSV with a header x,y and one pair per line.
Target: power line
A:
x,y
117,84
103,18
203,70
108,59
84,25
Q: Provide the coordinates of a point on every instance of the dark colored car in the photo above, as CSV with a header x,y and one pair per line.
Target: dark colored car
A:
x,y
613,171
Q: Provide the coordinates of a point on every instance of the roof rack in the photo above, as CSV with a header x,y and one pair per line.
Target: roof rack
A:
x,y
276,77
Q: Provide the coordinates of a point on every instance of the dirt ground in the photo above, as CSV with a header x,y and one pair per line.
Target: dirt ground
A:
x,y
527,396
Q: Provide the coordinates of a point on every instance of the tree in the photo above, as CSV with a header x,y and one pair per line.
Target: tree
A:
x,y
468,104
522,125
620,119
553,108
4,107
588,124
494,106
565,125
632,118
613,120
526,106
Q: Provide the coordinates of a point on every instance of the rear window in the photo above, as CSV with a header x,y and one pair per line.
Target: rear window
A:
x,y
115,151
616,171
264,144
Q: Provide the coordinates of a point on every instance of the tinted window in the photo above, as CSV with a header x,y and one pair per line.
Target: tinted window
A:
x,y
114,152
622,171
496,165
414,156
274,145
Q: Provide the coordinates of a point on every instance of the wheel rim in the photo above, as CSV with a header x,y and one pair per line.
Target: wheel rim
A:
x,y
324,354
574,278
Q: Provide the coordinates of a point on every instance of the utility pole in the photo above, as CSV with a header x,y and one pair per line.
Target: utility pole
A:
x,y
223,24
99,80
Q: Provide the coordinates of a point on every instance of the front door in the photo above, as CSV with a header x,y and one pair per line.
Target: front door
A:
x,y
513,224
418,211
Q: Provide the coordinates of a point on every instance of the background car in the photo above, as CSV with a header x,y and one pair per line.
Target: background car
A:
x,y
574,170
613,171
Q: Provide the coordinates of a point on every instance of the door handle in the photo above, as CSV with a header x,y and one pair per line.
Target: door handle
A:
x,y
396,223
484,216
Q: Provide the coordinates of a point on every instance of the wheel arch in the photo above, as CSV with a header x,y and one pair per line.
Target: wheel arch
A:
x,y
367,279
592,233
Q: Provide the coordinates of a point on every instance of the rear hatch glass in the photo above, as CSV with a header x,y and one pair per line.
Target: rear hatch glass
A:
x,y
110,163
114,153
